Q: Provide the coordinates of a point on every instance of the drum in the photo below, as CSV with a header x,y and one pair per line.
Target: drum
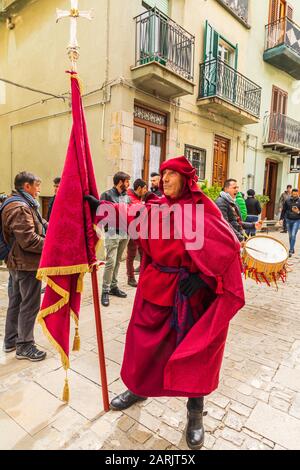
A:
x,y
265,260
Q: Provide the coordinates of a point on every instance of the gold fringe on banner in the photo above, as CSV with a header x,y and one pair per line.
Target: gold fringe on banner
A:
x,y
76,341
66,391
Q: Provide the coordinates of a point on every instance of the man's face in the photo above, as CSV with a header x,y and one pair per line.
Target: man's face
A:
x,y
155,182
295,194
172,183
289,190
33,189
122,186
233,189
141,191
55,186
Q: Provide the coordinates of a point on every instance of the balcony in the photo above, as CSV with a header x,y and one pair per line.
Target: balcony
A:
x,y
282,134
226,92
282,46
164,56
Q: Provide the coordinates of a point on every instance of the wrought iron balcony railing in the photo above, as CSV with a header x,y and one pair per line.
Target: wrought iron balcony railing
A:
x,y
281,129
283,32
160,39
219,79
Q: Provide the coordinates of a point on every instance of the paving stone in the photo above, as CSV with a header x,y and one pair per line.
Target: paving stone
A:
x,y
234,421
275,425
11,434
32,407
219,400
233,436
170,434
125,423
240,409
215,412
289,377
139,433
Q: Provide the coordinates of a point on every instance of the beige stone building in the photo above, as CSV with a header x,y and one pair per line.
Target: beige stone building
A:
x,y
213,79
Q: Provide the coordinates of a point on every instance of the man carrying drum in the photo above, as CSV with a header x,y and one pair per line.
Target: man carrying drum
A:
x,y
226,202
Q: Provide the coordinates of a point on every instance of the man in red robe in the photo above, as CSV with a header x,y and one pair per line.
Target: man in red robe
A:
x,y
185,298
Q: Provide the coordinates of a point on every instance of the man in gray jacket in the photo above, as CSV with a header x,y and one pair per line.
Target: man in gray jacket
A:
x,y
231,212
24,231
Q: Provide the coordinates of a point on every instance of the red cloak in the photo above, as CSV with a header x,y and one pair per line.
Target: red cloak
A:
x,y
153,364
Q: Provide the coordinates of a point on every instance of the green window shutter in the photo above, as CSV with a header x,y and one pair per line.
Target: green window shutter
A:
x,y
162,5
211,43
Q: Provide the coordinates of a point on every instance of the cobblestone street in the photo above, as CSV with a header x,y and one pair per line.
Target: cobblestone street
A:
x,y
257,404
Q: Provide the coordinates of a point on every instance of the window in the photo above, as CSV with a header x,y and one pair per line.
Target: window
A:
x,y
149,141
226,53
218,47
238,8
197,158
162,5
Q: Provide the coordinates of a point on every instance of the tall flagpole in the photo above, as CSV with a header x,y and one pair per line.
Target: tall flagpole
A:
x,y
73,53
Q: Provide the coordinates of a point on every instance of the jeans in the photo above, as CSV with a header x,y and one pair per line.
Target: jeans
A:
x,y
292,227
115,246
24,294
251,231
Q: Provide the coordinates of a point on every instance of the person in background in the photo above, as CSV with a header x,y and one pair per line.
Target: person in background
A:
x,y
136,195
24,232
240,201
155,180
253,209
56,183
291,212
226,202
115,240
283,197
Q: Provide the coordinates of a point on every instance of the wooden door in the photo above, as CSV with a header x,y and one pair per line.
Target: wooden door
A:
x,y
270,188
278,113
277,10
221,157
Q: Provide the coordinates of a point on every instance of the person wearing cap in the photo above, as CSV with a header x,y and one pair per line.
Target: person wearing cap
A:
x,y
186,296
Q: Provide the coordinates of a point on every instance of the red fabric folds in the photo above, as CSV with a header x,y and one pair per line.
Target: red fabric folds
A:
x,y
70,242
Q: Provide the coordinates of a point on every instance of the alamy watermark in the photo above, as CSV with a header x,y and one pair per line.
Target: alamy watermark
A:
x,y
160,221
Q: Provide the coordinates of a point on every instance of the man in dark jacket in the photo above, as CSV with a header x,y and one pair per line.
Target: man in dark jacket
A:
x,y
155,179
24,231
231,212
291,213
56,183
115,240
283,197
253,210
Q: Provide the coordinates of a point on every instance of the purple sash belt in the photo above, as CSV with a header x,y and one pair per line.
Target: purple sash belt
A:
x,y
182,317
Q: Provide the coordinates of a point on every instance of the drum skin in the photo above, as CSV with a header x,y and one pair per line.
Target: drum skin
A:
x,y
265,260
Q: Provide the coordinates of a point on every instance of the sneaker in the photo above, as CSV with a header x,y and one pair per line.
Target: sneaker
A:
x,y
31,353
290,254
8,349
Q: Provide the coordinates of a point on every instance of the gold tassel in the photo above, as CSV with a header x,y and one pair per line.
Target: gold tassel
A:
x,y
76,342
66,392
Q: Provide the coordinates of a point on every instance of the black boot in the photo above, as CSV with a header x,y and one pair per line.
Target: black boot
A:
x,y
105,299
194,428
125,400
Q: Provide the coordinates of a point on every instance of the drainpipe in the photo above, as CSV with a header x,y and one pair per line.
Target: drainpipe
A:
x,y
105,100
